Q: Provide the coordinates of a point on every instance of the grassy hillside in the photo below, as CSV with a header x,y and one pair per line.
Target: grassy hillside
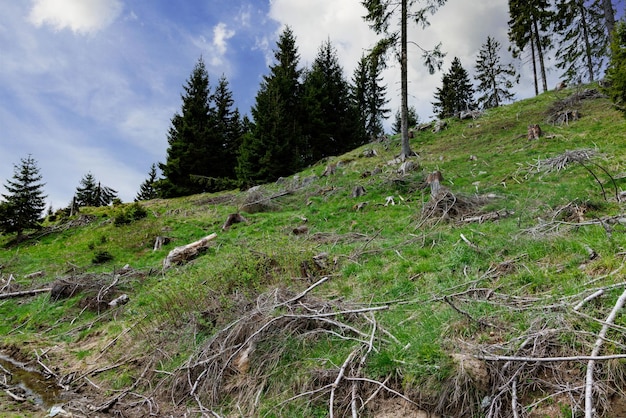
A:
x,y
483,299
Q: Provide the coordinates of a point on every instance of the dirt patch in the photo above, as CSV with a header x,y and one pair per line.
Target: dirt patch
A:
x,y
396,408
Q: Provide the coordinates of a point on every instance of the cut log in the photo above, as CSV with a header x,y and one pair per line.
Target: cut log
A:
x,y
187,252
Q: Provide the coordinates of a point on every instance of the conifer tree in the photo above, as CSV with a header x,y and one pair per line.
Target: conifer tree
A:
x,y
528,26
616,72
380,14
583,44
147,191
495,80
24,203
274,147
376,98
93,193
413,120
330,124
190,139
456,93
359,93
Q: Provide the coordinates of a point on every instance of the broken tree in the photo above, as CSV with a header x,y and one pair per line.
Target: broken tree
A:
x,y
187,252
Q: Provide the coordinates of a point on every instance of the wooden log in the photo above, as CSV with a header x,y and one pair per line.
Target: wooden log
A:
x,y
24,293
187,252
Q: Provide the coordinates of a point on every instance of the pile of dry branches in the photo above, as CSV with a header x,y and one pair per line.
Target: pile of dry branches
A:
x,y
558,356
445,205
238,360
560,162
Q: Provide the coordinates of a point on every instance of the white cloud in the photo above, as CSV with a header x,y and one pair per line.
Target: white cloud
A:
x,y
221,34
80,16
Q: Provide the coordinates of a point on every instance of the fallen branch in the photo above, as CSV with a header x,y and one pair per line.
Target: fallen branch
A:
x,y
594,353
550,359
24,293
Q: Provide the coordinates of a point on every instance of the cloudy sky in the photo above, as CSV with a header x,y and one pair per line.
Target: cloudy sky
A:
x,y
91,85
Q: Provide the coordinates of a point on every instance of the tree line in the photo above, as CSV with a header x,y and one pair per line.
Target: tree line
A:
x,y
302,115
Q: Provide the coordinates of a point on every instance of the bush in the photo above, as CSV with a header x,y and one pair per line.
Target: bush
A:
x,y
101,257
130,213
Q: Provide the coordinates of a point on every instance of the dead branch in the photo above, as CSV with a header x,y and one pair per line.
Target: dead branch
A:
x,y
24,293
594,353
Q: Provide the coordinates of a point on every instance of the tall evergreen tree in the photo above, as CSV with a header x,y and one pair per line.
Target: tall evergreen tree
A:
x,y
93,193
495,79
359,92
616,72
376,98
24,203
583,44
274,147
380,13
191,139
529,25
330,125
456,93
147,191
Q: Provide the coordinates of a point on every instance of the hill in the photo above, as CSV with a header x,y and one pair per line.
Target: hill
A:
x,y
355,288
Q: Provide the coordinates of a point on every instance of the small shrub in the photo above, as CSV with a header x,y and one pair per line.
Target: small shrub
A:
x,y
101,257
129,214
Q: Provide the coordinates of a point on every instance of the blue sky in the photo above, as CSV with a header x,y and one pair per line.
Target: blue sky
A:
x,y
91,85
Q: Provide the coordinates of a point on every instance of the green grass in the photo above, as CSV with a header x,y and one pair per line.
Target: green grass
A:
x,y
377,255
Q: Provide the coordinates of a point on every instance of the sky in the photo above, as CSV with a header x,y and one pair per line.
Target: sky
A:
x,y
91,86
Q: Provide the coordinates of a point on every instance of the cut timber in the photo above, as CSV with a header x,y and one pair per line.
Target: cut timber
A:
x,y
23,293
187,252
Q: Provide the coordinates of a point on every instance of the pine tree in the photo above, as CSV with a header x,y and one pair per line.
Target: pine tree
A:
x,y
495,79
376,99
413,120
528,25
616,72
583,44
274,147
331,119
24,203
93,193
191,145
147,191
359,93
379,14
456,93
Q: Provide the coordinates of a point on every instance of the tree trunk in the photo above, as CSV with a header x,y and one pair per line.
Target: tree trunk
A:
x,y
404,107
609,17
540,55
583,22
534,58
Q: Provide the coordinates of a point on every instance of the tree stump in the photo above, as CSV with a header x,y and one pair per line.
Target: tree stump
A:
x,y
534,132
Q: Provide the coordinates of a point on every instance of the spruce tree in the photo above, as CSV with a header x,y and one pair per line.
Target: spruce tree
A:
x,y
583,44
24,203
359,93
274,147
616,72
495,80
413,120
93,193
331,120
529,26
456,93
376,98
147,191
190,139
